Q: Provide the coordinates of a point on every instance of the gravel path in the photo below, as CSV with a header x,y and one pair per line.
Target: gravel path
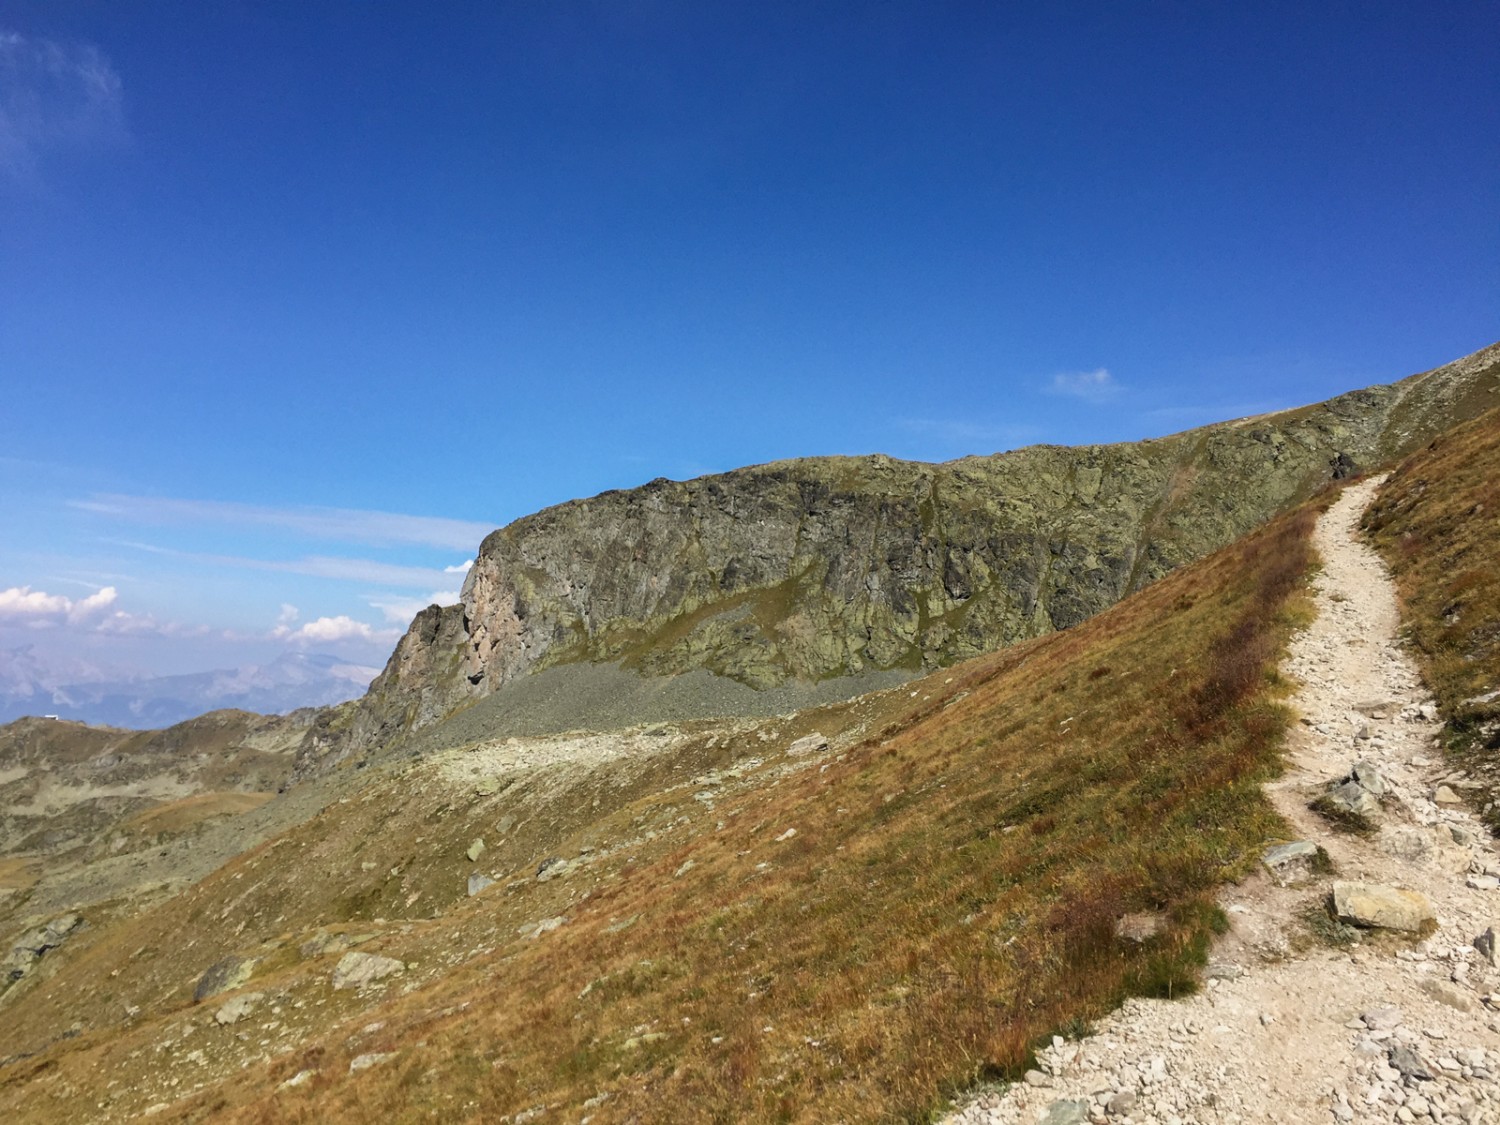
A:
x,y
1290,1027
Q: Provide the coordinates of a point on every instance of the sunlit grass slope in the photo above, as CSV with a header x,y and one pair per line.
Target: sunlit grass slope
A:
x,y
950,895
1437,521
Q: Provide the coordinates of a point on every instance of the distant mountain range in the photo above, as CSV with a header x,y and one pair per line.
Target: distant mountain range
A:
x,y
33,685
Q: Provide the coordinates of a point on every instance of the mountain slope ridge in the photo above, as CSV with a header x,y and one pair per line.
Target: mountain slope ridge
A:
x,y
816,568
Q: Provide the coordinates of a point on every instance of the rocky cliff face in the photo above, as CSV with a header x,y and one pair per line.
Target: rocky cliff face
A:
x,y
824,566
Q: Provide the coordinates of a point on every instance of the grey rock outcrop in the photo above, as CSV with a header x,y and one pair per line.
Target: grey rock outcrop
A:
x,y
355,970
823,567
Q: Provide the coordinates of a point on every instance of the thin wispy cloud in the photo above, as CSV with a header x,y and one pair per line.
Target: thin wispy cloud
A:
x,y
54,97
372,571
1094,387
345,525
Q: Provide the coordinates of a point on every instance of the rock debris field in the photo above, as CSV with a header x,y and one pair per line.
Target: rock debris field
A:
x,y
1389,1012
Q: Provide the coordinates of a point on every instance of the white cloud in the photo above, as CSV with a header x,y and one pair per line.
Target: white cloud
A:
x,y
54,96
1095,386
23,605
330,630
346,525
287,615
402,610
461,568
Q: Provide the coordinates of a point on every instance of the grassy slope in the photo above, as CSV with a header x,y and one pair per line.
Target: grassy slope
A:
x,y
949,897
1437,521
950,894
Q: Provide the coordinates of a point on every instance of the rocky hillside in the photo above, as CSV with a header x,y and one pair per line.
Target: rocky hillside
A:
x,y
826,567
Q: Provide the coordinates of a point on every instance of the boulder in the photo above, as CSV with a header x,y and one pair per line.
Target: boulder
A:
x,y
1366,776
1378,907
355,970
1352,798
1485,943
1291,863
223,976
478,882
476,849
814,743
554,868
237,1009
1444,795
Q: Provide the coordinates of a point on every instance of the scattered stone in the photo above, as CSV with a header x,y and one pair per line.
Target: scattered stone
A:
x,y
814,743
1428,711
223,976
552,868
1382,1019
365,1062
296,1080
1386,908
537,929
1223,970
1138,928
477,883
1291,863
1409,1063
1485,943
1443,795
787,835
476,849
33,945
355,970
237,1009
1482,883
1350,798
1036,1078
687,865
1121,1103
1366,776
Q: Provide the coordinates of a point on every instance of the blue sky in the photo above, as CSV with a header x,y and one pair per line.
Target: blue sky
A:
x,y
296,300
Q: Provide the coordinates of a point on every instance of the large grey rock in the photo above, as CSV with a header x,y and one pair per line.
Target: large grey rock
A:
x,y
223,976
808,744
33,945
553,868
355,970
1352,799
1410,1064
1367,777
1379,907
1291,863
478,882
237,1009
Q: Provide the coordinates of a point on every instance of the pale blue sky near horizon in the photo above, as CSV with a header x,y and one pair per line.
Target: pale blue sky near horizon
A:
x,y
297,301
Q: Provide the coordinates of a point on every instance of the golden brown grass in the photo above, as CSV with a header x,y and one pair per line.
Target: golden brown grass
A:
x,y
1437,522
175,817
949,897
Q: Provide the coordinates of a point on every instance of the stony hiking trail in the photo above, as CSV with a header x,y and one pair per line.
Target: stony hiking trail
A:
x,y
1356,1024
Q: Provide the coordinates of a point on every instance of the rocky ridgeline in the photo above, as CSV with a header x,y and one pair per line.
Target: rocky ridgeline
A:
x,y
823,567
1358,981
